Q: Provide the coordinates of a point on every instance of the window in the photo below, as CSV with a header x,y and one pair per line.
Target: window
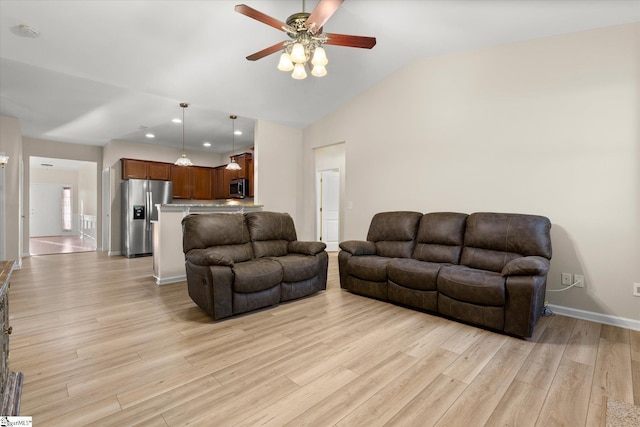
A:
x,y
66,208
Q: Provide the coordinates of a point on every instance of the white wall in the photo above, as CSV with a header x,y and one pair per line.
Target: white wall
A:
x,y
11,145
278,155
548,126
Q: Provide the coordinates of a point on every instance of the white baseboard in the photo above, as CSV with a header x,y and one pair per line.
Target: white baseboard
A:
x,y
168,280
606,319
114,253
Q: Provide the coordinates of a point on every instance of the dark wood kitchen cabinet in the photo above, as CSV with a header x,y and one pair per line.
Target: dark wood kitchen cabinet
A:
x,y
143,169
192,182
201,183
181,178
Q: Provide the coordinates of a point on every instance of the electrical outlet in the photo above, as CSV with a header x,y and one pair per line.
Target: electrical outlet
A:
x,y
636,289
579,280
566,279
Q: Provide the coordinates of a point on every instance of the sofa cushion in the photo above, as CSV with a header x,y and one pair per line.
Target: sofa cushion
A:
x,y
472,285
296,268
394,233
413,274
372,267
491,240
256,275
440,237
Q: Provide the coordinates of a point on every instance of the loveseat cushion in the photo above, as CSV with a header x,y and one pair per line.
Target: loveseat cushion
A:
x,y
394,233
372,267
256,275
296,268
200,231
413,274
440,237
472,285
270,233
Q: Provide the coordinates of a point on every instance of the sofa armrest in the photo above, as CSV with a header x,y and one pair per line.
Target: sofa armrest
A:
x,y
527,266
359,247
208,257
306,248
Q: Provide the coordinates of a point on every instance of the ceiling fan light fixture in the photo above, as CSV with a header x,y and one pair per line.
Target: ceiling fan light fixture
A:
x,y
319,57
298,55
319,71
299,73
183,160
285,63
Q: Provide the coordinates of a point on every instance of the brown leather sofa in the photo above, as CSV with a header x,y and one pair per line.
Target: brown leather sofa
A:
x,y
241,262
488,269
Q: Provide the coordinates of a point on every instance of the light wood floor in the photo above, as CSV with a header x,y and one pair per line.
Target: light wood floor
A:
x,y
100,344
47,245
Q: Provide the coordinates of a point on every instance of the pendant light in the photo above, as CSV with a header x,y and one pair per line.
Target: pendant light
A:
x,y
183,160
233,165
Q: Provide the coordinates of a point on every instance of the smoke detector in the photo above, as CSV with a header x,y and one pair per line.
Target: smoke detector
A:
x,y
24,30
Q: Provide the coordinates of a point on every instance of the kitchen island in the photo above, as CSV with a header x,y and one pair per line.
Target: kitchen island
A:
x,y
168,258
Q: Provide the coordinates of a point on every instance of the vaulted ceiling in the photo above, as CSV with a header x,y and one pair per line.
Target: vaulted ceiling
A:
x,y
103,70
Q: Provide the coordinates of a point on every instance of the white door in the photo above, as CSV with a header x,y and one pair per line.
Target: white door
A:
x,y
45,202
330,208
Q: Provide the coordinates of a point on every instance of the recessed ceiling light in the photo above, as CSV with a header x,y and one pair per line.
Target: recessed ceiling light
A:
x,y
176,120
150,135
207,144
238,132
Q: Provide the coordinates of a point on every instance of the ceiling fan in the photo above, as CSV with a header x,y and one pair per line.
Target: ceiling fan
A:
x,y
307,37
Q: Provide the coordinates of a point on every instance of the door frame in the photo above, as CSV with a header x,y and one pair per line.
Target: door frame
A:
x,y
319,201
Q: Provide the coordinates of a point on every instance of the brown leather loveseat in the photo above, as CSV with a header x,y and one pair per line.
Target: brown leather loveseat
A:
x,y
487,269
241,262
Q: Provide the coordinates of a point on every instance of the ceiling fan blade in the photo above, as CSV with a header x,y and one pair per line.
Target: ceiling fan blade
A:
x,y
259,16
323,11
266,52
351,41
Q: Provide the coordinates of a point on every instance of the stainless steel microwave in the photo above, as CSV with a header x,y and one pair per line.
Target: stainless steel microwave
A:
x,y
238,188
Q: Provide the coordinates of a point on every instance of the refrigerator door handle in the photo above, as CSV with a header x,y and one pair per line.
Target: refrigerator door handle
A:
x,y
149,208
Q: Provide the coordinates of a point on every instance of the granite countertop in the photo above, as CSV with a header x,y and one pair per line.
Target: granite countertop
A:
x,y
224,203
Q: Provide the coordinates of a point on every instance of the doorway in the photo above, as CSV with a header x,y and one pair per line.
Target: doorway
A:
x,y
329,213
62,206
330,162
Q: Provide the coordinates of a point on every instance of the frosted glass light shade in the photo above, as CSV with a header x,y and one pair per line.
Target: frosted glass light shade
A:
x,y
299,73
297,54
319,57
183,161
233,165
285,63
4,160
319,71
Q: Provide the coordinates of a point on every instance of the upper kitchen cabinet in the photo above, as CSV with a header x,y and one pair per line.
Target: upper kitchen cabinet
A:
x,y
143,169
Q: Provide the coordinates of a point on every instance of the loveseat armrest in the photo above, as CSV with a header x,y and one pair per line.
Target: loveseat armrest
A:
x,y
359,247
306,248
527,266
208,257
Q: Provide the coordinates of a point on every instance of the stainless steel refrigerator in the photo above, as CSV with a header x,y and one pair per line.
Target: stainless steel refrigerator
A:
x,y
139,200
